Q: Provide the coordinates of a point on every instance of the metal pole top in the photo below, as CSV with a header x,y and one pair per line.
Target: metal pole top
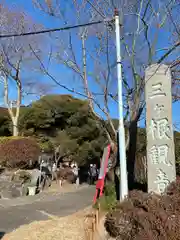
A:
x,y
116,12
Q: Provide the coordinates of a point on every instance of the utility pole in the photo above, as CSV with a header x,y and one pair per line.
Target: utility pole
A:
x,y
121,142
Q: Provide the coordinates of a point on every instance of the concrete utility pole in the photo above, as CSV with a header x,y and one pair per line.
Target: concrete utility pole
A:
x,y
121,147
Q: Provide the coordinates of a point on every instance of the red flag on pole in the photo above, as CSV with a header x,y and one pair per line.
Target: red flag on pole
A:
x,y
102,173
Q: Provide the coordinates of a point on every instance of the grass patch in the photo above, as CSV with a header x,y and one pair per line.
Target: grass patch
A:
x,y
108,200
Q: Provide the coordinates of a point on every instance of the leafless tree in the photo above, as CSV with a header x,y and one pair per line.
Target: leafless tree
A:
x,y
144,24
16,59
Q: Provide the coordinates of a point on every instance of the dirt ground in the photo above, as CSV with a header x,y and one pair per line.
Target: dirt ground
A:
x,y
77,226
67,228
74,227
66,187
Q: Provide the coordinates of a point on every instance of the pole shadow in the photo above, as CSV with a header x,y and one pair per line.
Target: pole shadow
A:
x,y
2,234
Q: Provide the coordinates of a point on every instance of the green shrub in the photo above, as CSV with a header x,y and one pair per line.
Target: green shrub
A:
x,y
4,140
18,152
45,145
108,200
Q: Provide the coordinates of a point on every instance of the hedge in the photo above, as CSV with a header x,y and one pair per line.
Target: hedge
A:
x,y
4,140
18,152
147,216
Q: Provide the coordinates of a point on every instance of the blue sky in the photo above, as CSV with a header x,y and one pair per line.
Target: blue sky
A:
x,y
61,72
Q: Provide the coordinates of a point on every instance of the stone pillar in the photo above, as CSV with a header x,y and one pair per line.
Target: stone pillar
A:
x,y
159,130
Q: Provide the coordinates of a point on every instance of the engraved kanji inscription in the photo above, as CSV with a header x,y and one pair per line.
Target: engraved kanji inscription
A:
x,y
159,154
157,91
160,129
161,168
159,109
162,180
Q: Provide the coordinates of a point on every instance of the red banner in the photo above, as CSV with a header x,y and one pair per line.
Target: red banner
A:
x,y
102,173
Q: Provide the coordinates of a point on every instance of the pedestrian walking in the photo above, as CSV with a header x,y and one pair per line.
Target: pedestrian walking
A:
x,y
75,170
92,174
54,172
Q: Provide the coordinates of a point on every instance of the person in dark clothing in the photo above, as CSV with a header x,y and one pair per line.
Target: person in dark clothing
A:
x,y
92,174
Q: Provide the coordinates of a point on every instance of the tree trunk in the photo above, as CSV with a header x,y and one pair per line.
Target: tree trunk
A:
x,y
131,154
13,115
15,127
88,93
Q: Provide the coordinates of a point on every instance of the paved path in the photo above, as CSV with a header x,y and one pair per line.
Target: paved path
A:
x,y
14,213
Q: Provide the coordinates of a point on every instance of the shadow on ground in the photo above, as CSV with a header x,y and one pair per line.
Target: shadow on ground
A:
x,y
2,234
